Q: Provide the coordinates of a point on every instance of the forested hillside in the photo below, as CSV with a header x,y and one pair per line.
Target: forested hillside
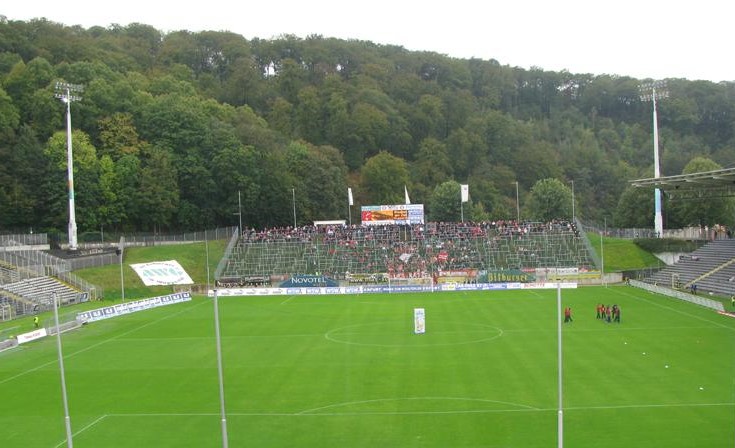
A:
x,y
171,127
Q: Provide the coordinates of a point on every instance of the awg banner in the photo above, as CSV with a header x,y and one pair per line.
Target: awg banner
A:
x,y
158,273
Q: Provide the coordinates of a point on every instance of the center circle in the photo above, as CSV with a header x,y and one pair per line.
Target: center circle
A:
x,y
400,334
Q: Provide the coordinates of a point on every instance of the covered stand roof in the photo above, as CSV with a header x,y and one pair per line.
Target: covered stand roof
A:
x,y
707,184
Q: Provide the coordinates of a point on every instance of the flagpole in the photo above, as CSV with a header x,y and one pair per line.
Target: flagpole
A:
x,y
349,204
464,196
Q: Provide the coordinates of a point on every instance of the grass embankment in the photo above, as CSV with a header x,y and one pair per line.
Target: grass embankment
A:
x,y
192,257
622,254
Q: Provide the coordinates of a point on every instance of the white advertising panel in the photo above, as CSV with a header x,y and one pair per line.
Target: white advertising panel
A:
x,y
419,321
32,336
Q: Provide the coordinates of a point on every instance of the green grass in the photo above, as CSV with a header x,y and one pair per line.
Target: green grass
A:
x,y
347,371
622,254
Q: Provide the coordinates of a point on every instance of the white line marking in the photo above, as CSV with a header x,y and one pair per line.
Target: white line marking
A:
x,y
99,419
288,300
523,408
350,403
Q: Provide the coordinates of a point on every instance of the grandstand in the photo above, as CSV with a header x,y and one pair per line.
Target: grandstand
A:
x,y
400,252
711,268
29,278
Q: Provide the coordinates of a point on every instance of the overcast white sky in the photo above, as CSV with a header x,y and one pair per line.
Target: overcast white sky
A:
x,y
641,39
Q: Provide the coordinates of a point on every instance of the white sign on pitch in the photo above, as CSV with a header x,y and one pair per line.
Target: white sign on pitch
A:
x,y
419,321
158,273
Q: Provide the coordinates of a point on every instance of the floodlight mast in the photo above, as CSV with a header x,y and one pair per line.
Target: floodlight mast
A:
x,y
67,93
651,92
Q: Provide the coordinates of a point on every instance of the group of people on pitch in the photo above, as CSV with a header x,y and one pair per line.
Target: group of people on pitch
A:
x,y
608,313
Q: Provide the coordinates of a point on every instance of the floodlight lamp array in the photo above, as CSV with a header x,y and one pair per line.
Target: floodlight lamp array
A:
x,y
64,91
657,89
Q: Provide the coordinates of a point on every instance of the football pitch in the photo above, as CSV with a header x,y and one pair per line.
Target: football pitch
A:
x,y
348,371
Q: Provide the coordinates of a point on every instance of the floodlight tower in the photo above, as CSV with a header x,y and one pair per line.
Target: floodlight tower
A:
x,y
67,93
652,91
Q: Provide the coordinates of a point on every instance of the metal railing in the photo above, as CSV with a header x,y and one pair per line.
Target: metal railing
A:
x,y
15,240
235,236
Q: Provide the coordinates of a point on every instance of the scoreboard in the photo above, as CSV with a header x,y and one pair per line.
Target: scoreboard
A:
x,y
377,215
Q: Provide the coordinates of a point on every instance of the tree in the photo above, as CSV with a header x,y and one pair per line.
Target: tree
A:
x,y
110,211
635,208
320,181
549,199
384,177
444,204
118,136
706,211
21,167
433,165
128,176
9,116
86,180
159,191
309,122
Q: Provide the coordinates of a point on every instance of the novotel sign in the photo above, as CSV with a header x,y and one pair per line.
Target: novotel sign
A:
x,y
309,281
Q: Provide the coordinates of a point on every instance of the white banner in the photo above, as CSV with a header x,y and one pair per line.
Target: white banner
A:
x,y
157,273
465,192
32,336
419,321
349,197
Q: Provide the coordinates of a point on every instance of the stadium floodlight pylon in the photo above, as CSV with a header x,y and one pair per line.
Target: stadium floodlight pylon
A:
x,y
68,93
652,91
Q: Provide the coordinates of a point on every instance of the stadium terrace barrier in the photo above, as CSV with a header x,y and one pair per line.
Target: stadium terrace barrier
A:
x,y
8,344
132,307
382,289
698,300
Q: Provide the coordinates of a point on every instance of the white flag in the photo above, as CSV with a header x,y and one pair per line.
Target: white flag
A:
x,y
408,201
349,196
465,193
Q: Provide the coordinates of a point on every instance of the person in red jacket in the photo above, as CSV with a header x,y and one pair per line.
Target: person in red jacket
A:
x,y
567,314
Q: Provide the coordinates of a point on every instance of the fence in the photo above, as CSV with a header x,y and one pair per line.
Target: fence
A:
x,y
592,252
155,239
103,254
32,263
687,233
14,240
703,301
